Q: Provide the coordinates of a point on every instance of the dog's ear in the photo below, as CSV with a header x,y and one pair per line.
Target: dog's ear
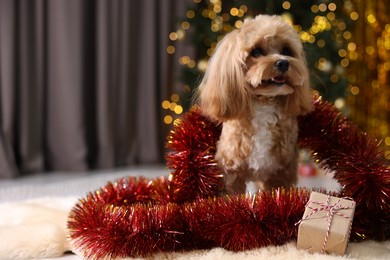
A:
x,y
222,93
300,102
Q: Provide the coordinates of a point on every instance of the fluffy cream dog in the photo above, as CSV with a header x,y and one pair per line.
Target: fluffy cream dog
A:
x,y
257,83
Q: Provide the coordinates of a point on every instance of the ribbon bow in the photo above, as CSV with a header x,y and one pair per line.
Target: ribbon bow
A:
x,y
331,210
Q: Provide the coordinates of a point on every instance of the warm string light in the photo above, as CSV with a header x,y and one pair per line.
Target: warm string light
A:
x,y
219,22
326,20
173,109
368,73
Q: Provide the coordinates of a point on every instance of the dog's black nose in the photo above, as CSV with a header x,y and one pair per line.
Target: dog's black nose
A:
x,y
282,65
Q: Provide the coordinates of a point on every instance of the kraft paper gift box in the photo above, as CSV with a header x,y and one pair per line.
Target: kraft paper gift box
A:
x,y
326,224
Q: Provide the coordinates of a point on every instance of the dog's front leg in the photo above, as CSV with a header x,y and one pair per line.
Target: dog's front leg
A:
x,y
235,184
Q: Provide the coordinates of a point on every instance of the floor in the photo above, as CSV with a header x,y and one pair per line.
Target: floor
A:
x,y
69,183
79,183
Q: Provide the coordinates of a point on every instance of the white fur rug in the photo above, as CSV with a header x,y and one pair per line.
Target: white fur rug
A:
x,y
33,214
36,228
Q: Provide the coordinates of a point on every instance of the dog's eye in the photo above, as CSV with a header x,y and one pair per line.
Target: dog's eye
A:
x,y
256,52
286,52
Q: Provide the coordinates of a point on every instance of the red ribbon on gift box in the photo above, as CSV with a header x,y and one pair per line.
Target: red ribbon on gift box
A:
x,y
331,210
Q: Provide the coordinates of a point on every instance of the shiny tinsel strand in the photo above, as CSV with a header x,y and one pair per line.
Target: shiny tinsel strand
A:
x,y
243,222
130,190
282,209
356,159
110,231
193,144
94,220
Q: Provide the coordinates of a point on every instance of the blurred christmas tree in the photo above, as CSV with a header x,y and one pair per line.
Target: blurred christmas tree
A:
x,y
323,27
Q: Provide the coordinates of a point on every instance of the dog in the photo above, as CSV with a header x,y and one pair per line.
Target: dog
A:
x,y
257,84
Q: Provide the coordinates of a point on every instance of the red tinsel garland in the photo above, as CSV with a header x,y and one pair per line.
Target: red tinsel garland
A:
x,y
136,216
245,222
192,158
357,160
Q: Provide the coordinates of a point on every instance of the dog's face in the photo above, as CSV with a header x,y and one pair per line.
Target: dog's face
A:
x,y
263,58
275,64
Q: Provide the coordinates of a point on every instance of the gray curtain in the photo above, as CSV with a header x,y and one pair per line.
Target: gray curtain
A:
x,y
81,83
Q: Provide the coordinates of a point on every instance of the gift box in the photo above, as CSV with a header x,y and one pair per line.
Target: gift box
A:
x,y
326,224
